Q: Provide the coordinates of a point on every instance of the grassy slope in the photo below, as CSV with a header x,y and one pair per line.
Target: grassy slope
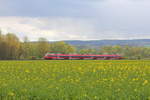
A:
x,y
75,80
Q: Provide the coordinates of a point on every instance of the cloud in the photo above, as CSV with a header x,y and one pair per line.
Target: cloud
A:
x,y
42,8
50,28
76,19
59,28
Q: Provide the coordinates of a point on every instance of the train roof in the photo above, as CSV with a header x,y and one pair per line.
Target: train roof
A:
x,y
82,55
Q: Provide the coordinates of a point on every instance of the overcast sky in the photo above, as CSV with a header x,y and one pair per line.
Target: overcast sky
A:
x,y
76,19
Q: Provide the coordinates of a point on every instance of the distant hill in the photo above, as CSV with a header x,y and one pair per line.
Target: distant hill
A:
x,y
98,43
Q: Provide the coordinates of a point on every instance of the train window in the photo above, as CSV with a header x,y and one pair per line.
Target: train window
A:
x,y
64,56
52,56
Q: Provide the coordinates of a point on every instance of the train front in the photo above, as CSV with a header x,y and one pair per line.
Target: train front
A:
x,y
49,56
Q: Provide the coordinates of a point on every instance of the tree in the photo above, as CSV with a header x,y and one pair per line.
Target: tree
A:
x,y
106,50
3,47
87,51
62,47
42,47
13,46
27,48
10,46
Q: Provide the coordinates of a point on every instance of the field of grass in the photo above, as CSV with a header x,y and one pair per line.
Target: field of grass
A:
x,y
75,80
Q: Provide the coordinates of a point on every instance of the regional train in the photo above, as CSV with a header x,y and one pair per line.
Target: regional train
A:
x,y
81,57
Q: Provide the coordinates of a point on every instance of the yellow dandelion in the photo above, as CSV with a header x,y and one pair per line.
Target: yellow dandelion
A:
x,y
77,80
112,79
11,94
145,82
118,89
135,79
94,70
27,71
95,97
135,90
79,68
85,95
57,88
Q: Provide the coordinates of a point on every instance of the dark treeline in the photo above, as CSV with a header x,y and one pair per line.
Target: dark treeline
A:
x,y
12,48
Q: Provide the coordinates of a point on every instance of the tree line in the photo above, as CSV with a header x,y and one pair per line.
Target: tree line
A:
x,y
12,48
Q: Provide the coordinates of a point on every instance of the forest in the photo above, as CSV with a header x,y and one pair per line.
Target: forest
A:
x,y
12,48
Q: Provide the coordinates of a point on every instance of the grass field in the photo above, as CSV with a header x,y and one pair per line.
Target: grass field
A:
x,y
75,80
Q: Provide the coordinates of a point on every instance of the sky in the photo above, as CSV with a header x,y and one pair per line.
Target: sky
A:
x,y
76,19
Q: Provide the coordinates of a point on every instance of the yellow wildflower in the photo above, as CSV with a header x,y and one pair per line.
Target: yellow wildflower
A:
x,y
11,93
95,97
145,82
27,71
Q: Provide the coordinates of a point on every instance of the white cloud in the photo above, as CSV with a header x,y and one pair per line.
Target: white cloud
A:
x,y
50,28
58,28
76,20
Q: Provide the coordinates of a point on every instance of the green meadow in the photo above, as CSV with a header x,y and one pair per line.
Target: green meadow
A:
x,y
75,80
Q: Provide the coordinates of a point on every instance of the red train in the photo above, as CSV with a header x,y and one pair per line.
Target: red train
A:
x,y
79,56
